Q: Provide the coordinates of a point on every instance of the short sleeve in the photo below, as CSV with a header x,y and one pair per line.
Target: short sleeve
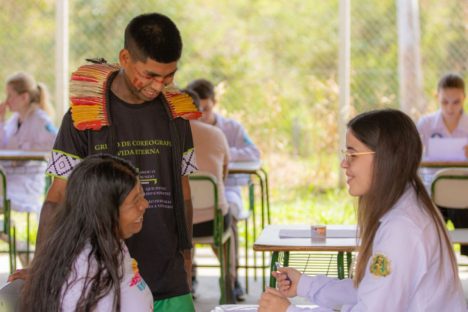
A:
x,y
69,149
189,164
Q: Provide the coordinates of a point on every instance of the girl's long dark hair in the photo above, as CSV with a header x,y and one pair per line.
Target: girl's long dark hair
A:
x,y
90,215
395,140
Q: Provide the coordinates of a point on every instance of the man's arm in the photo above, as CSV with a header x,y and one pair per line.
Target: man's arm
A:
x,y
55,195
189,223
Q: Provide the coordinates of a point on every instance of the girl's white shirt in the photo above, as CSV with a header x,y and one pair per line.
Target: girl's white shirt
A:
x,y
135,295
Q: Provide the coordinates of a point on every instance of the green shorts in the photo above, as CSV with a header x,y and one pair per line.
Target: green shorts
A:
x,y
175,304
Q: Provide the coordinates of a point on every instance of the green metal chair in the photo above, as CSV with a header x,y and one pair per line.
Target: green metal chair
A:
x,y
10,296
7,230
449,188
204,190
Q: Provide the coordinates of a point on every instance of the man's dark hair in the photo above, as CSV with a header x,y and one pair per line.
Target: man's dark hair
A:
x,y
153,36
203,88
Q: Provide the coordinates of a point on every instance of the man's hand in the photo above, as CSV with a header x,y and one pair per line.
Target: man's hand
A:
x,y
273,301
287,280
55,195
19,274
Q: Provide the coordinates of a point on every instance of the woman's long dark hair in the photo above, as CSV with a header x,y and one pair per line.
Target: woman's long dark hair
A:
x,y
90,215
395,140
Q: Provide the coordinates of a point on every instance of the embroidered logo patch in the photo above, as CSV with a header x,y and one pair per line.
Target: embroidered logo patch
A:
x,y
136,279
380,265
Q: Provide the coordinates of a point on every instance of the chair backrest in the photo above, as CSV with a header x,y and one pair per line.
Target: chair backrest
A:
x,y
450,188
10,296
204,190
5,203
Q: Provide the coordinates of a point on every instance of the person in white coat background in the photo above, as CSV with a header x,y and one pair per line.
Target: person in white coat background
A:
x,y
29,128
405,261
450,121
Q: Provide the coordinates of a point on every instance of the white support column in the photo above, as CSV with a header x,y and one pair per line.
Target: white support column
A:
x,y
61,58
409,59
344,72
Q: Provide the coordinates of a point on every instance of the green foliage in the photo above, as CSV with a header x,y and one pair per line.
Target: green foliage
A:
x,y
275,67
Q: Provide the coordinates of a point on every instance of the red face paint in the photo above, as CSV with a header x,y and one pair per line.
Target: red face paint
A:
x,y
137,83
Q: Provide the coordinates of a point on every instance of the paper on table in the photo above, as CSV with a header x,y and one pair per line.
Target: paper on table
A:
x,y
446,149
331,233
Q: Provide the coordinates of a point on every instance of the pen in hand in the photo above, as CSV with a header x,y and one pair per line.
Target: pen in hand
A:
x,y
277,265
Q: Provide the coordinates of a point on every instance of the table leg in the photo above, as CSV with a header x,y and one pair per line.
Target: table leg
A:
x,y
274,259
340,265
246,237
349,261
286,259
262,198
27,237
254,222
267,195
262,201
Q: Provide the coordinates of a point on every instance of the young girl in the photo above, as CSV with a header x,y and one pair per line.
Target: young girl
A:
x,y
449,121
29,128
84,264
405,260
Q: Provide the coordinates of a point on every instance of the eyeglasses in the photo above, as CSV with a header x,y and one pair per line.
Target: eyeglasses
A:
x,y
349,157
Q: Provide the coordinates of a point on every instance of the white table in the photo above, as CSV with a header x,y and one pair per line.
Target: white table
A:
x,y
6,154
270,240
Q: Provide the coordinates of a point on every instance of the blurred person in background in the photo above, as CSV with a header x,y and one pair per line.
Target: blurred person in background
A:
x,y
212,154
449,121
29,127
241,148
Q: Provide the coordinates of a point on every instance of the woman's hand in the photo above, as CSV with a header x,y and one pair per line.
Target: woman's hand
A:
x,y
273,301
19,274
466,150
287,280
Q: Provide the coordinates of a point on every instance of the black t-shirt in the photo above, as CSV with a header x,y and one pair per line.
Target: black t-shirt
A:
x,y
141,135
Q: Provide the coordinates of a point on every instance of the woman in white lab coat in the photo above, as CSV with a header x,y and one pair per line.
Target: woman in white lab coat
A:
x,y
28,128
405,261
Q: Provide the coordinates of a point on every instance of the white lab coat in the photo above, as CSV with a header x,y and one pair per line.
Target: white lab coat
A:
x,y
241,148
432,126
408,238
26,179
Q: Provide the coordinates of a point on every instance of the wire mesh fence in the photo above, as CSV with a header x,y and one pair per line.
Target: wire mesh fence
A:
x,y
275,63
